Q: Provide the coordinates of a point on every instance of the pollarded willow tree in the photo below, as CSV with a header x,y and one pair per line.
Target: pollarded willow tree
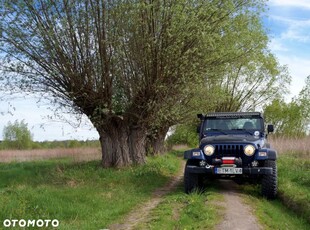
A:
x,y
129,65
252,77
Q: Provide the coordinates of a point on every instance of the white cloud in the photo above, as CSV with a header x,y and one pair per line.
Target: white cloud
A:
x,y
297,30
299,69
291,3
276,44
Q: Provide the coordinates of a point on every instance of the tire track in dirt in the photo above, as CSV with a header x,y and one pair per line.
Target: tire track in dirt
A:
x,y
141,213
237,214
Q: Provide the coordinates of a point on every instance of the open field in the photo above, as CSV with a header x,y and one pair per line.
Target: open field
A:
x,y
75,154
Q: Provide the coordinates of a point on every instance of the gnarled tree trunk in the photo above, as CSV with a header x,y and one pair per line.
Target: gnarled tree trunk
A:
x,y
121,144
137,142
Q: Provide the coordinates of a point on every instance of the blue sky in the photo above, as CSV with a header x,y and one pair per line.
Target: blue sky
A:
x,y
288,25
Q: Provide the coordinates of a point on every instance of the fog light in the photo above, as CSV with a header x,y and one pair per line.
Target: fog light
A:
x,y
202,163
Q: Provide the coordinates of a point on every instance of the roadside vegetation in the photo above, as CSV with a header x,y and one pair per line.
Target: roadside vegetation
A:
x,y
294,174
273,214
294,184
80,195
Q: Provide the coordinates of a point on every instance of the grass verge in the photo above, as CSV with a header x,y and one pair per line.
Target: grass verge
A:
x,y
273,214
294,183
292,208
79,195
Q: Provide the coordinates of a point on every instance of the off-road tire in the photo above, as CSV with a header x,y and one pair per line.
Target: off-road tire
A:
x,y
270,181
192,181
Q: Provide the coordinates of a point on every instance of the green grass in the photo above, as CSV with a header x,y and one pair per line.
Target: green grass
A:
x,y
294,183
292,208
181,211
79,195
273,214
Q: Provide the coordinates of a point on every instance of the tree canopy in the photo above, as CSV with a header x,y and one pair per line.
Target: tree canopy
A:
x,y
17,135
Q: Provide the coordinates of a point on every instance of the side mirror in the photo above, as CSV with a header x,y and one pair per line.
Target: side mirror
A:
x,y
270,128
200,116
198,129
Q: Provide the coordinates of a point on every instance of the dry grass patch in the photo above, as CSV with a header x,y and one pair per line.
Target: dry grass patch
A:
x,y
298,146
76,154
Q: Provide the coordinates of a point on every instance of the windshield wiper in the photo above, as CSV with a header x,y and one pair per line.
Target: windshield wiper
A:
x,y
219,130
244,131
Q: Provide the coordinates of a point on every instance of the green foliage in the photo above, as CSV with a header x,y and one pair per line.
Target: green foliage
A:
x,y
287,118
184,134
70,192
251,74
17,136
304,101
291,119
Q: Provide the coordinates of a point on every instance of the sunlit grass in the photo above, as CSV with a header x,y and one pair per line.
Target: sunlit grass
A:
x,y
79,195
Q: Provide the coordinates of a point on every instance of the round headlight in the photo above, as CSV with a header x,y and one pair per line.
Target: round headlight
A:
x,y
208,150
249,150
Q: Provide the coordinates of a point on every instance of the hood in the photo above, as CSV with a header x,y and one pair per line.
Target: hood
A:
x,y
232,138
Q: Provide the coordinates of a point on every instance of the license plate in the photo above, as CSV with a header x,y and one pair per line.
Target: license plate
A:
x,y
228,170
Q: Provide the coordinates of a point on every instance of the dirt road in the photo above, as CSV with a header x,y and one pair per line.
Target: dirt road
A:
x,y
237,215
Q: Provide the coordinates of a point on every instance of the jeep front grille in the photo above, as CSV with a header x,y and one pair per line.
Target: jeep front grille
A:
x,y
228,150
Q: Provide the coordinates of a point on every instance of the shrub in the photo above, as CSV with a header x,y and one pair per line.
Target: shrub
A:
x,y
17,136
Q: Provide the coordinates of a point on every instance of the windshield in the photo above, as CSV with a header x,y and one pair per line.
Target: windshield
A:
x,y
233,124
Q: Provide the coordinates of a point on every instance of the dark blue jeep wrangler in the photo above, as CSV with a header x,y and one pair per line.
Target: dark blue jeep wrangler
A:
x,y
232,146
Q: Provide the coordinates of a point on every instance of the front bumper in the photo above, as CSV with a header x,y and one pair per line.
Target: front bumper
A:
x,y
245,171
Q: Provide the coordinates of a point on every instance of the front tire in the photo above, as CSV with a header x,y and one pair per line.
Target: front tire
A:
x,y
192,181
270,181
